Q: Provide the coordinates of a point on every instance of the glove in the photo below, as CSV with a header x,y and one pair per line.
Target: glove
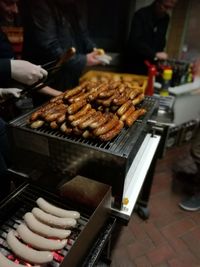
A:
x,y
26,72
104,59
10,91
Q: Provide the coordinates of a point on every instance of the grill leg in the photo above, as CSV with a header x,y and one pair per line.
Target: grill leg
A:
x,y
142,203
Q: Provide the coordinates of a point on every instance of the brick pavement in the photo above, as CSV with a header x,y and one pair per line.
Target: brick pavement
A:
x,y
171,236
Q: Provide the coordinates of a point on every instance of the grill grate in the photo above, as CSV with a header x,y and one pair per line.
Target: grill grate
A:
x,y
12,215
150,104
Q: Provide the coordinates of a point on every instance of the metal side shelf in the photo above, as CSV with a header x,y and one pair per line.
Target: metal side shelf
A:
x,y
136,175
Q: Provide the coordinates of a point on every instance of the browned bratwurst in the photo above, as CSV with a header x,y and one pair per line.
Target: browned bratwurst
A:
x,y
73,108
107,126
113,132
80,113
134,116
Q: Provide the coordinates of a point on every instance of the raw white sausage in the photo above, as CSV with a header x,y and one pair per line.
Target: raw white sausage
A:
x,y
26,253
37,241
43,229
5,262
46,206
53,220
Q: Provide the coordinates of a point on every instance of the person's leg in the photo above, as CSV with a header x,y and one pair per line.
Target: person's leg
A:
x,y
193,203
195,149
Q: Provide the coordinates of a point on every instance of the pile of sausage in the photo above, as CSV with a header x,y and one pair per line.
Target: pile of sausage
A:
x,y
102,76
95,110
44,229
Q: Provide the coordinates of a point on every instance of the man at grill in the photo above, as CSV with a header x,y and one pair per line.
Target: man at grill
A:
x,y
147,36
50,29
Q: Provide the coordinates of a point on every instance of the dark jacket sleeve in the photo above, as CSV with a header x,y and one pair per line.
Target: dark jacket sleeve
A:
x,y
137,38
147,35
5,71
51,34
87,43
42,26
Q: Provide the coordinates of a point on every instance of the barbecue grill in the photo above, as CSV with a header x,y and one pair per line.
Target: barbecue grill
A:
x,y
46,151
83,239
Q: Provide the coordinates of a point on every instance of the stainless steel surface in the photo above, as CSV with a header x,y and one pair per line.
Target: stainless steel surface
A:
x,y
49,150
136,175
82,237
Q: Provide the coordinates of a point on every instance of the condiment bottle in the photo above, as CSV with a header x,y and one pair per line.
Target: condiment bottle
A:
x,y
167,76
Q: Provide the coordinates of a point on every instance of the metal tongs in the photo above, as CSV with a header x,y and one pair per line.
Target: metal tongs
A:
x,y
52,70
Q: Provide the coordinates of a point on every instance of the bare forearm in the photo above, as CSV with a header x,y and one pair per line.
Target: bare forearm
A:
x,y
50,91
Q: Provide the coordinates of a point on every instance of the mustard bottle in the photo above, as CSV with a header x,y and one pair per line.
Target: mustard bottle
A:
x,y
167,76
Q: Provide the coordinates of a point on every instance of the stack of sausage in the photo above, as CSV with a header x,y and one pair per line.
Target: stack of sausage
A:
x,y
45,229
96,110
102,76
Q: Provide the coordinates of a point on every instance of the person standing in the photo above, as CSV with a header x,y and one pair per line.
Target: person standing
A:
x,y
23,72
192,203
147,36
50,28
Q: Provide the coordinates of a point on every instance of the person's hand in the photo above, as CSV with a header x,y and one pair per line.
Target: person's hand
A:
x,y
10,91
100,51
161,55
92,59
26,72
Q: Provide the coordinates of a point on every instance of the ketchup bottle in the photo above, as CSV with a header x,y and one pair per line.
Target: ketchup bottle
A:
x,y
152,71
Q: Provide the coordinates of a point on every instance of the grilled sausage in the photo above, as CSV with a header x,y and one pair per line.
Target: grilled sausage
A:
x,y
61,118
113,132
79,97
43,229
127,113
26,253
37,124
134,93
80,113
114,84
93,118
77,131
5,262
87,134
54,125
53,116
65,129
98,90
53,220
40,112
107,126
134,116
106,93
120,100
73,108
35,115
83,118
74,91
138,99
38,241
103,119
57,98
46,206
121,88
124,108
107,102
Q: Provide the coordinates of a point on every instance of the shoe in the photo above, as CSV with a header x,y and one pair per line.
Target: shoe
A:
x,y
191,204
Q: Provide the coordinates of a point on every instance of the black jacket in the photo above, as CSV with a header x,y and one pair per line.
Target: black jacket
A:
x,y
49,30
147,36
5,72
